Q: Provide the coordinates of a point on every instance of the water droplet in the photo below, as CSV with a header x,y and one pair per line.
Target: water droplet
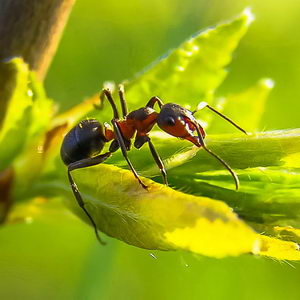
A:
x,y
269,83
28,220
250,16
180,68
40,149
153,256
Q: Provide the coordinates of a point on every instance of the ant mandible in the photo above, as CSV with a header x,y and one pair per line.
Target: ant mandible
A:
x,y
83,144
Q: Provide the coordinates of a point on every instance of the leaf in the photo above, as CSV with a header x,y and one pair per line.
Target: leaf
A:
x,y
279,249
287,233
7,83
198,64
160,217
269,188
250,104
42,108
17,113
165,219
261,149
27,117
193,71
27,114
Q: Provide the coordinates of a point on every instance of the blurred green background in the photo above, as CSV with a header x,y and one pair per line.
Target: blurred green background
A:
x,y
57,256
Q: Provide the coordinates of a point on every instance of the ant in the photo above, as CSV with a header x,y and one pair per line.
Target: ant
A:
x,y
83,144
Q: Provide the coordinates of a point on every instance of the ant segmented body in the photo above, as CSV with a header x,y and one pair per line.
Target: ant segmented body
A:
x,y
83,144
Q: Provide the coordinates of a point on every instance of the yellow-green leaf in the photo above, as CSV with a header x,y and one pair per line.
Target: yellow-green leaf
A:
x,y
278,249
17,105
27,111
160,218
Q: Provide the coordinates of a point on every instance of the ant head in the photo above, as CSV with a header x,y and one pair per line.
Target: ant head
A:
x,y
179,122
82,141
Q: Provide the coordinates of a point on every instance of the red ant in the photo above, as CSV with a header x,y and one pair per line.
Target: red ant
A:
x,y
83,144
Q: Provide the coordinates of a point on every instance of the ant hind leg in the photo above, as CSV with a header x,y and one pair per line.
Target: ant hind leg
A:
x,y
87,162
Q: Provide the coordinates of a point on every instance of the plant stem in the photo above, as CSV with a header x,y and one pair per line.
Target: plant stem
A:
x,y
32,29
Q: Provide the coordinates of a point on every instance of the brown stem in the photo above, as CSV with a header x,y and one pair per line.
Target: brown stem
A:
x,y
6,180
32,29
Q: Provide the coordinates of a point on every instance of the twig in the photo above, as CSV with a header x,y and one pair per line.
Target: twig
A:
x,y
32,29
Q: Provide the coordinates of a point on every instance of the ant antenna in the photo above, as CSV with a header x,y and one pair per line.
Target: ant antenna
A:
x,y
202,105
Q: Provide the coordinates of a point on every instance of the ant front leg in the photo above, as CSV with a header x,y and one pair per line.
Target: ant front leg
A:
x,y
122,145
153,100
87,162
117,131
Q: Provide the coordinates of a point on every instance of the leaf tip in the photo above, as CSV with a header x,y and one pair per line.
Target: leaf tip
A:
x,y
247,13
268,83
279,249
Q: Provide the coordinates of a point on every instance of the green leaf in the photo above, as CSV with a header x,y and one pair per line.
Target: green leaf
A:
x,y
250,104
122,209
195,69
26,119
42,108
269,190
197,64
160,217
167,219
18,104
27,113
260,149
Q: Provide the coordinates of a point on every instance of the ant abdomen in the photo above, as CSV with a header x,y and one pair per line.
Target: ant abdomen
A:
x,y
84,140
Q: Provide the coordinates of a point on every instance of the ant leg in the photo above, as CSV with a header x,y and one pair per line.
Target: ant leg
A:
x,y
122,145
101,102
87,162
158,161
235,178
153,100
140,140
123,100
109,97
107,93
119,136
202,105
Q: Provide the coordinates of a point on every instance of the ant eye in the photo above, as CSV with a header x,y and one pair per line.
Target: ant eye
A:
x,y
170,121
